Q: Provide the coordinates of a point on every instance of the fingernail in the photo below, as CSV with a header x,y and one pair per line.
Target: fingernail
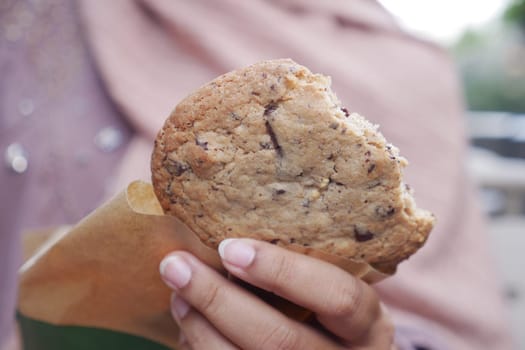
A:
x,y
179,307
236,252
175,271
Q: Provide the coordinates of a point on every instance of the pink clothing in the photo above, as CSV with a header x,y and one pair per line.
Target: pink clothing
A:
x,y
151,53
406,85
54,106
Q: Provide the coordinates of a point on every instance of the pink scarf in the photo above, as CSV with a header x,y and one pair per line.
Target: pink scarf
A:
x,y
152,53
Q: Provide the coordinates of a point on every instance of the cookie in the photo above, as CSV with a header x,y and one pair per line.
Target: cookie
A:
x,y
269,152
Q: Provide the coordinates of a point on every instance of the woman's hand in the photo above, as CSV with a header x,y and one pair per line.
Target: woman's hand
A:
x,y
214,312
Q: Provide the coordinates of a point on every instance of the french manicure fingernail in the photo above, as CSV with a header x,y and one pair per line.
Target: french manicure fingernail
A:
x,y
236,252
175,271
179,307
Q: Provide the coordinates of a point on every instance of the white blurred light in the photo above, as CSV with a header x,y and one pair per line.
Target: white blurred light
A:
x,y
445,20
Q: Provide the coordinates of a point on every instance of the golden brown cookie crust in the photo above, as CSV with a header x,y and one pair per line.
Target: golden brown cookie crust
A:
x,y
268,152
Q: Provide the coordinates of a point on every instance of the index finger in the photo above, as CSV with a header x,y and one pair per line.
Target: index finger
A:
x,y
344,304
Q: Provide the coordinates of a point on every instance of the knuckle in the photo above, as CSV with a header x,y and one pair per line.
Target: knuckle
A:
x,y
382,335
389,332
344,301
388,329
195,336
281,337
209,300
281,272
200,341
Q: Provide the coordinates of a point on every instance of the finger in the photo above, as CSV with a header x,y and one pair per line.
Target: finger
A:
x,y
380,335
382,332
196,332
345,305
240,316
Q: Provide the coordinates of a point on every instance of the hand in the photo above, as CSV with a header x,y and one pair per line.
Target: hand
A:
x,y
214,312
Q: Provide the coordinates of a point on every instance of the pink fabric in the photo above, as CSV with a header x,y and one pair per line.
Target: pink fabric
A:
x,y
151,53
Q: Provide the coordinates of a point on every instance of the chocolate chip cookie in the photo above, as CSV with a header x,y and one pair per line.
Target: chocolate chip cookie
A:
x,y
268,152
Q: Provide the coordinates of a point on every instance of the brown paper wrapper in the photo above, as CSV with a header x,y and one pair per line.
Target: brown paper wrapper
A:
x,y
103,272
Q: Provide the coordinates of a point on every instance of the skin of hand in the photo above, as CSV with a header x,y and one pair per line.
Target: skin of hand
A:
x,y
214,312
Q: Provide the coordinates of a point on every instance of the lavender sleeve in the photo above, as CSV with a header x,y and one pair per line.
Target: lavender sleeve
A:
x,y
61,137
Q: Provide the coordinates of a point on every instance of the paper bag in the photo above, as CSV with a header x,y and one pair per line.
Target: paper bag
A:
x,y
98,281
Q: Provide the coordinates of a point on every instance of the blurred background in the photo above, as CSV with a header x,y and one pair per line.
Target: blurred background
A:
x,y
487,40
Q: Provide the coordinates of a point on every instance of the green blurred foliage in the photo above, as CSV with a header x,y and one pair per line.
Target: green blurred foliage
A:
x,y
515,13
492,62
496,94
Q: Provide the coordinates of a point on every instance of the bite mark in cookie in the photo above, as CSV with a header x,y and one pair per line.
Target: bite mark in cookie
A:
x,y
269,152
